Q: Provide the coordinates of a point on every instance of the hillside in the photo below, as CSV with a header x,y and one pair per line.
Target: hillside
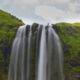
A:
x,y
70,37
8,27
6,19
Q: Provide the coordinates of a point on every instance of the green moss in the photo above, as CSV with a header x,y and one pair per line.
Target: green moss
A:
x,y
76,69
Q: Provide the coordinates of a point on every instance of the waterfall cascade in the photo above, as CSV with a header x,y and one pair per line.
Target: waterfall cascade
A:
x,y
36,54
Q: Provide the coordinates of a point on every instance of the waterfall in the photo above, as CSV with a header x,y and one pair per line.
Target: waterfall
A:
x,y
42,57
28,56
36,54
55,56
17,56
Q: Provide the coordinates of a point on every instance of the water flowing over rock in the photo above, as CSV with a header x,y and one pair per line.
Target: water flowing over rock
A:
x,y
36,54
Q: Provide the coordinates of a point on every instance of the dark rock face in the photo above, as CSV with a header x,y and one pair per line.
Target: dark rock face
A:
x,y
66,47
56,28
75,62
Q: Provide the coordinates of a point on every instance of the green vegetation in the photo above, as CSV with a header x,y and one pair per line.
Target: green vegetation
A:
x,y
8,26
9,20
70,37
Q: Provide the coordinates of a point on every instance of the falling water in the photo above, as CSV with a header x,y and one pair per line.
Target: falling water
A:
x,y
55,57
28,56
36,54
17,56
42,57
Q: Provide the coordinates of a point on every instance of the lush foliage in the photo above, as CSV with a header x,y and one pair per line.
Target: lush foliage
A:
x,y
70,37
8,26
